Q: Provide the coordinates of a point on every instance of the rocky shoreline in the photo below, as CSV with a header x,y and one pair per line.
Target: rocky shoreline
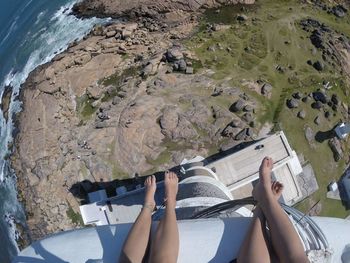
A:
x,y
106,109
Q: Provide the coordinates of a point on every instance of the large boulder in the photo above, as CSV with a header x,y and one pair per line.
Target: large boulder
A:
x,y
292,103
339,10
266,89
309,135
175,126
318,65
317,105
319,96
237,106
335,146
174,54
301,114
82,59
94,92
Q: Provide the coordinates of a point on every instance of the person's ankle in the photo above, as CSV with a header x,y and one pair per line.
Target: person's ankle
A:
x,y
266,200
170,203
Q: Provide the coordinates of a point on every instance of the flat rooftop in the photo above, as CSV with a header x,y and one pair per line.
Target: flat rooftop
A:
x,y
242,168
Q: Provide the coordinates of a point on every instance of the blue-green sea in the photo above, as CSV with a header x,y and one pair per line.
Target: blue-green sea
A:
x,y
31,33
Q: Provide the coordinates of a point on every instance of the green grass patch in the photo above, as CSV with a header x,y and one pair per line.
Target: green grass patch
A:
x,y
85,108
118,78
74,217
271,46
163,158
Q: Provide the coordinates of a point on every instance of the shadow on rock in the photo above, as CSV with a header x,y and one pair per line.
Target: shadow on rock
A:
x,y
322,136
81,189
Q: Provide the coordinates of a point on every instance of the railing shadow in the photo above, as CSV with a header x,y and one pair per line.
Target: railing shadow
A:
x,y
81,189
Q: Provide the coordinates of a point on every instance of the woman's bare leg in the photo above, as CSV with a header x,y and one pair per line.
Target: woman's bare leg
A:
x,y
285,240
135,246
255,247
165,246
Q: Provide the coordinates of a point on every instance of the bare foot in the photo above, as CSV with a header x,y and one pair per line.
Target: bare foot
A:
x,y
150,189
277,189
171,187
263,190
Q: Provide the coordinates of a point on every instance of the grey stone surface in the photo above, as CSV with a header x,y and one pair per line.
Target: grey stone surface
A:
x,y
307,181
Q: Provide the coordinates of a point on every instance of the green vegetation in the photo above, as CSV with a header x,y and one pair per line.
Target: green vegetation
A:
x,y
271,47
75,217
118,78
117,171
85,108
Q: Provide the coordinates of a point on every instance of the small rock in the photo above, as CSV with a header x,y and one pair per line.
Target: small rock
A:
x,y
250,132
211,48
319,96
335,99
339,10
248,117
237,123
317,120
241,135
318,65
309,134
94,92
335,146
305,99
100,125
126,34
266,89
230,131
116,100
237,106
301,114
248,108
292,103
111,33
82,59
242,17
174,54
54,210
297,95
189,70
327,114
316,105
180,65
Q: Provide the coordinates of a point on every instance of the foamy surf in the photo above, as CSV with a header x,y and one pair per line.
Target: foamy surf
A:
x,y
49,34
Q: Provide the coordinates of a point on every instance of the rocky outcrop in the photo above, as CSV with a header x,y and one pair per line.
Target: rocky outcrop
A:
x,y
110,107
5,101
146,8
335,46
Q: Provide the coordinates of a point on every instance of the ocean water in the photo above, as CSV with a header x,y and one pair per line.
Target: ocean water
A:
x,y
31,33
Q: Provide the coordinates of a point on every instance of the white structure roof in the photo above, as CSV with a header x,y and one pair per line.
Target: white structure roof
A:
x,y
241,168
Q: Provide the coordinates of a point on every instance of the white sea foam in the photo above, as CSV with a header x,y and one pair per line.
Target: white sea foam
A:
x,y
11,29
39,17
62,30
54,37
45,39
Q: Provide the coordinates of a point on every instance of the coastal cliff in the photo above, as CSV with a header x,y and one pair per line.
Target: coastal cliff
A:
x,y
105,109
138,96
